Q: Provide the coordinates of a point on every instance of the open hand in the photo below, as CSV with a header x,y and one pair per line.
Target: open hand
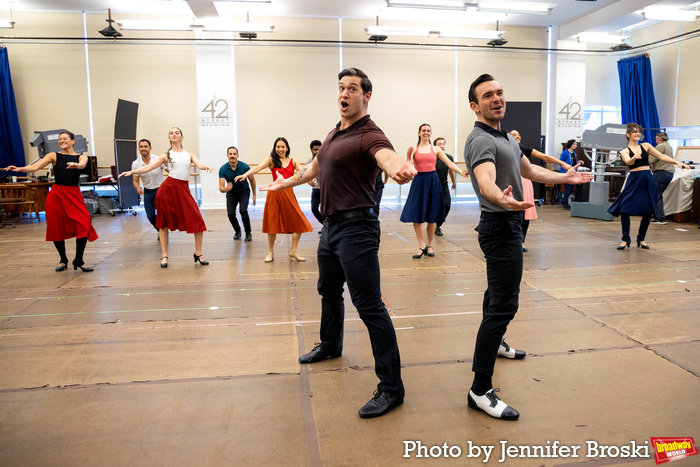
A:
x,y
125,174
277,185
511,203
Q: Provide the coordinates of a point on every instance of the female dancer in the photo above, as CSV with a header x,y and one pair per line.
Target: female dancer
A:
x,y
528,190
282,214
66,213
425,202
638,198
175,207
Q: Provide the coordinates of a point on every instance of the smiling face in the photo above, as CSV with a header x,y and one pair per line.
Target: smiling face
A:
x,y
634,135
516,135
351,101
425,132
281,149
144,149
314,150
232,156
65,142
491,103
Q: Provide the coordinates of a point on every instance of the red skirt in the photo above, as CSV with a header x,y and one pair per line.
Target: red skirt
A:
x,y
176,209
282,214
67,216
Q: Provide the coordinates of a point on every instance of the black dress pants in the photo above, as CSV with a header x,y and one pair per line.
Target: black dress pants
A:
x,y
316,204
238,199
347,252
149,204
500,239
447,196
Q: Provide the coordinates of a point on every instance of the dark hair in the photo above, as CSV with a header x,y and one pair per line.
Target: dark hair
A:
x,y
438,139
364,82
170,161
570,143
630,129
472,89
145,140
231,147
315,143
71,135
421,127
276,162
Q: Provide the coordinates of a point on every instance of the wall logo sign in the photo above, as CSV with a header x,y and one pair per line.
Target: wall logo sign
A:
x,y
215,114
570,116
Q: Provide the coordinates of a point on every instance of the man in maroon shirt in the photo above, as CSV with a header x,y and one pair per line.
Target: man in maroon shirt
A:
x,y
348,164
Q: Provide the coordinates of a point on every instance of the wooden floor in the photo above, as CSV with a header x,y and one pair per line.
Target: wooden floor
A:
x,y
134,365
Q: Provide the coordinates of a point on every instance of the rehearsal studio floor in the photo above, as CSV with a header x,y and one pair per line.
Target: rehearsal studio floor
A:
x,y
134,365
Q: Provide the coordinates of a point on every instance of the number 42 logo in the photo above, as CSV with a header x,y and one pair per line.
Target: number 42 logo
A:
x,y
213,106
568,110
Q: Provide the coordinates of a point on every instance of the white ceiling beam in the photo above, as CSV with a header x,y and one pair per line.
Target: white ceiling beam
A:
x,y
203,9
602,16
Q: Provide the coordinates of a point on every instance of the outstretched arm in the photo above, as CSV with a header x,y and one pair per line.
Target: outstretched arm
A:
x,y
441,154
160,160
305,175
549,159
485,174
254,170
199,164
663,157
40,164
542,175
401,171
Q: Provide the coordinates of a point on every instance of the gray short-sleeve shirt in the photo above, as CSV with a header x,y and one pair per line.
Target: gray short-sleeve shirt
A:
x,y
485,144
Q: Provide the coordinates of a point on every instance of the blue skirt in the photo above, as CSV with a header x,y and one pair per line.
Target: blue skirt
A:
x,y
425,202
639,196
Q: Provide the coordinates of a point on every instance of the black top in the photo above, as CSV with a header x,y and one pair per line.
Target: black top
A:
x,y
379,183
442,169
348,168
643,162
526,151
63,175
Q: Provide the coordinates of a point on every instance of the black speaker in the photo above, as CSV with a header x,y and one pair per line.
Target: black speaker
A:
x,y
125,122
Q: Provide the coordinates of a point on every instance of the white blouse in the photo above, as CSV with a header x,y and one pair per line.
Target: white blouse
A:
x,y
180,165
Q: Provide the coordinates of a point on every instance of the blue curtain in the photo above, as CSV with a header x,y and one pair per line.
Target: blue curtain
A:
x,y
637,95
11,148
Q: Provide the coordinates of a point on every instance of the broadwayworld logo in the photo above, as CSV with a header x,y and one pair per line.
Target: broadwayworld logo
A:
x,y
671,449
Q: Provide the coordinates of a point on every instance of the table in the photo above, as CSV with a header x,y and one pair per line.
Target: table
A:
x,y
678,197
4,201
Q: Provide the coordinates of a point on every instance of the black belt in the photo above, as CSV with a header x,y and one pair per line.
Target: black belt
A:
x,y
348,214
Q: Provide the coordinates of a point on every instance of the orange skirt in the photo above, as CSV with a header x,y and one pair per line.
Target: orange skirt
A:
x,y
282,214
67,216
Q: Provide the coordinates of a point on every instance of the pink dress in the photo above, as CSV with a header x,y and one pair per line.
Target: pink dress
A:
x,y
529,195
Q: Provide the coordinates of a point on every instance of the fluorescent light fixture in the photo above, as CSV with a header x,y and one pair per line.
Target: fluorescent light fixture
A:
x,y
234,1
396,31
147,25
601,38
430,4
523,8
229,26
6,23
668,14
471,33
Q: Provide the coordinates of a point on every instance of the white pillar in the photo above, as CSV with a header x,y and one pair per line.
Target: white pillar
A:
x,y
550,111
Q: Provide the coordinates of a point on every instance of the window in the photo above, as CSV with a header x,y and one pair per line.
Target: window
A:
x,y
598,115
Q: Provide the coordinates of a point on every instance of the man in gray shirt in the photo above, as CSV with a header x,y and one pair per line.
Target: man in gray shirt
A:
x,y
663,174
495,161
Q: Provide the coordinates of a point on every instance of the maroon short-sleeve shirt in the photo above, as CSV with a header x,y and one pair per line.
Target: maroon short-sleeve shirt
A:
x,y
347,167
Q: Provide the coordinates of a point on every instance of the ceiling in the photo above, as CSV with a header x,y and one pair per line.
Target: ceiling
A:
x,y
571,16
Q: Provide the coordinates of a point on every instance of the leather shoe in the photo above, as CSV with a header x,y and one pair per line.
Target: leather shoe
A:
x,y
248,237
492,405
381,403
317,354
438,231
237,236
504,350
